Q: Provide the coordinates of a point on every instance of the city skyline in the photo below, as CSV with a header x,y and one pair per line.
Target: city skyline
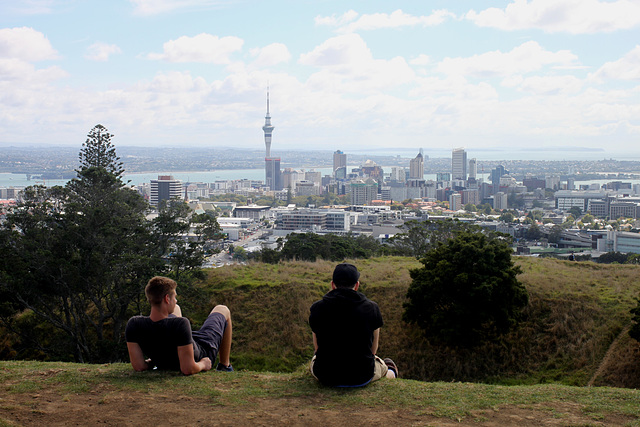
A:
x,y
518,75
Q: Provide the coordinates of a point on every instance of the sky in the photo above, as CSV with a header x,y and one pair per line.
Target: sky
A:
x,y
552,76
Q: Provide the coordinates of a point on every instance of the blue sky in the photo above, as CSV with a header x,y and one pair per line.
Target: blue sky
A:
x,y
349,75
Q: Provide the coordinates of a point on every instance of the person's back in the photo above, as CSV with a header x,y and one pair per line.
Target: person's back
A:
x,y
346,327
344,321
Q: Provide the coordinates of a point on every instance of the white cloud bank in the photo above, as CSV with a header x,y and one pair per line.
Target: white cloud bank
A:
x,y
25,44
566,16
270,55
351,22
626,68
526,58
205,48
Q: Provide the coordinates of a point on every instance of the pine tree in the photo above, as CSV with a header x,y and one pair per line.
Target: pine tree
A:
x,y
98,151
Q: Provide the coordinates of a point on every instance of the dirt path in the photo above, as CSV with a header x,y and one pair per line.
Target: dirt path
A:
x,y
608,356
109,407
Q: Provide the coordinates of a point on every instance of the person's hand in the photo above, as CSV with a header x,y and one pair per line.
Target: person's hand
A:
x,y
206,363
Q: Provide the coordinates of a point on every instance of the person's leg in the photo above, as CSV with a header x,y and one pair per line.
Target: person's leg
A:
x,y
383,369
224,352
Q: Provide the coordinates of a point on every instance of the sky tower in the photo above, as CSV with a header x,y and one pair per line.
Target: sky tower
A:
x,y
267,128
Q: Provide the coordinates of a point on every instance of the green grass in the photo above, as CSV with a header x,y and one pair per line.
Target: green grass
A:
x,y
576,311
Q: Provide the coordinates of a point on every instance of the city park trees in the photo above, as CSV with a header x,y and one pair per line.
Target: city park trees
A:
x,y
76,259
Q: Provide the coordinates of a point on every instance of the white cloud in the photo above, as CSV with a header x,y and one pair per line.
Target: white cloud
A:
x,y
14,70
528,57
626,68
570,16
347,66
25,44
335,21
270,55
348,23
338,51
421,59
155,7
101,51
552,85
201,48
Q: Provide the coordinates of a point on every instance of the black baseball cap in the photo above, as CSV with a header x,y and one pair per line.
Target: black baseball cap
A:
x,y
345,275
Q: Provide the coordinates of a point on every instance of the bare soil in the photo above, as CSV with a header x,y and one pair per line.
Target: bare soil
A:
x,y
106,406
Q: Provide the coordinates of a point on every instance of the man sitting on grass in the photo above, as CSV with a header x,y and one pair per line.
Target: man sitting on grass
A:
x,y
165,337
346,328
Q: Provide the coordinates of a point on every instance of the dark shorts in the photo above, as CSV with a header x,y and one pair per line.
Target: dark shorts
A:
x,y
210,334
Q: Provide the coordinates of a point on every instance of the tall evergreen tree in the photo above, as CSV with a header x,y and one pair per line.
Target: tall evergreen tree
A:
x,y
98,151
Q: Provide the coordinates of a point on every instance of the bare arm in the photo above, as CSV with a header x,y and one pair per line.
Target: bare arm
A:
x,y
315,342
188,365
376,339
137,357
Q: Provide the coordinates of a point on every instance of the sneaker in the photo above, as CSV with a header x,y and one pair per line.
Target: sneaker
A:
x,y
391,365
224,368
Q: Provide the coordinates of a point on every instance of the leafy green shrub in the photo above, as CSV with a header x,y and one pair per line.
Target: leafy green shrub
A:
x,y
466,292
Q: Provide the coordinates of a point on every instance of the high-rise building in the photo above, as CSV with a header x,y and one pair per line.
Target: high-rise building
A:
x,y
362,193
443,176
496,174
398,174
164,188
416,167
273,176
339,161
459,164
455,202
500,201
268,129
473,168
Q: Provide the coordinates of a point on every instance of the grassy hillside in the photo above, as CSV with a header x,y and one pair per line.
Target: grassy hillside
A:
x,y
576,311
60,394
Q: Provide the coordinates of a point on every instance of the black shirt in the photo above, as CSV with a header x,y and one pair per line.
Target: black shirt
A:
x,y
160,340
344,321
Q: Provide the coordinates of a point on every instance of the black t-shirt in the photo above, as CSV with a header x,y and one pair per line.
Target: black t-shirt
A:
x,y
344,321
160,340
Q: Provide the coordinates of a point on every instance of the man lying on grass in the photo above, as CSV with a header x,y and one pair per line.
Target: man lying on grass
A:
x,y
346,328
164,339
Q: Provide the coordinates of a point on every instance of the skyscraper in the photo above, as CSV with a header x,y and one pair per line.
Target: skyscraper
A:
x,y
416,167
273,176
473,168
459,164
164,188
362,193
339,161
268,129
496,174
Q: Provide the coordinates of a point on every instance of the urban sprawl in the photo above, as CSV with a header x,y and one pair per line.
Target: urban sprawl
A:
x,y
544,212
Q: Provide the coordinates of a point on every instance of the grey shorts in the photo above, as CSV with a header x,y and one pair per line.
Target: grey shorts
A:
x,y
210,334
